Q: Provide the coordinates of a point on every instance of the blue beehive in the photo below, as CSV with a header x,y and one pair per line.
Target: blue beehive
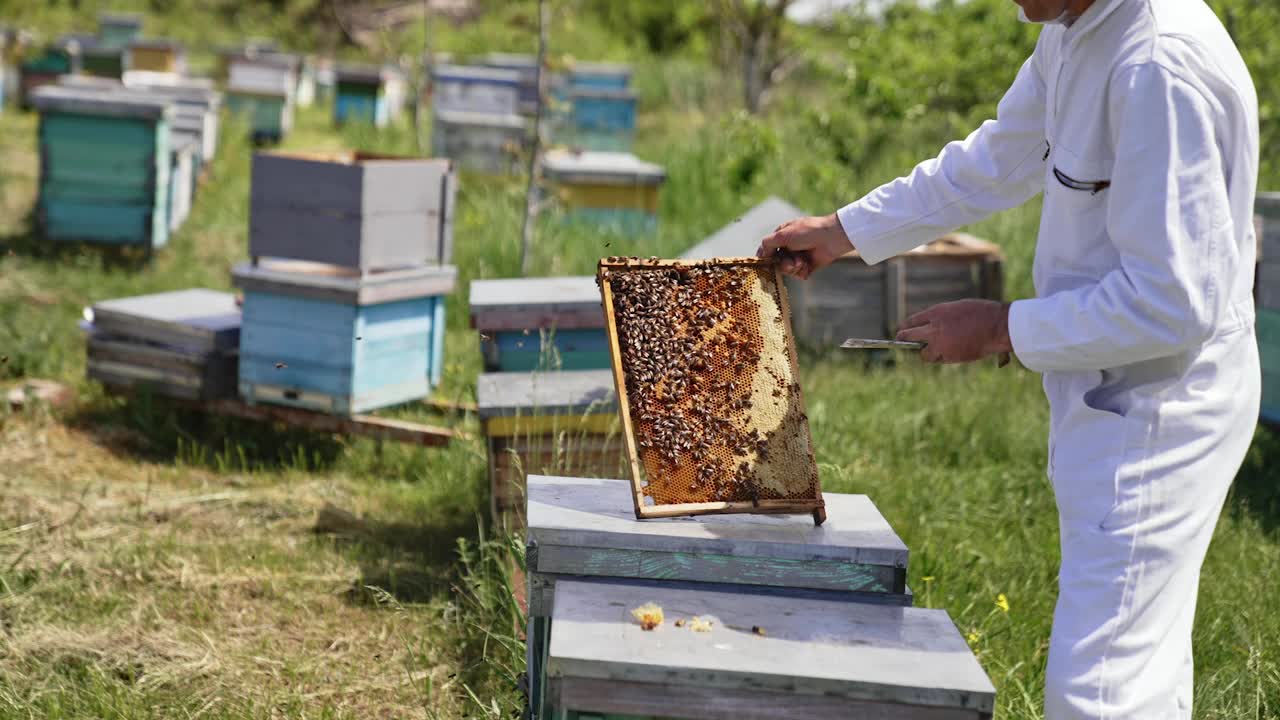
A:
x,y
373,95
325,338
105,166
599,119
464,88
527,67
539,324
600,76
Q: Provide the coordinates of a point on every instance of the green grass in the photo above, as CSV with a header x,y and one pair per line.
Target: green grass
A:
x,y
158,563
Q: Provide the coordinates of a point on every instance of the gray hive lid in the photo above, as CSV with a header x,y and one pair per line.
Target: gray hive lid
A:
x,y
513,61
568,392
480,119
491,75
100,101
156,44
199,320
129,20
608,168
584,512
372,74
526,303
276,60
741,237
331,283
832,650
601,68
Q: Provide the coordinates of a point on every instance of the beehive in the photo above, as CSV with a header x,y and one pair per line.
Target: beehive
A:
x,y
336,340
565,423
260,87
612,190
585,529
357,210
156,55
102,60
182,175
476,89
181,344
530,324
708,385
105,161
46,67
600,76
197,106
757,657
367,94
599,119
483,142
118,30
852,299
1267,283
527,67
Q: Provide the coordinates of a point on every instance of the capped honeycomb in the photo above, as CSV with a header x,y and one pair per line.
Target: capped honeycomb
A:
x,y
708,386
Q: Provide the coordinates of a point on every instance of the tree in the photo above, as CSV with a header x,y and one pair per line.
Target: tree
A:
x,y
752,30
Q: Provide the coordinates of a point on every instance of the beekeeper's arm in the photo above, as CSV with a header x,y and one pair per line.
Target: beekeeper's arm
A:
x,y
999,166
1168,204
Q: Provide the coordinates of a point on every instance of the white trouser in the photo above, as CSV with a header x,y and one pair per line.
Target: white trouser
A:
x,y
1139,491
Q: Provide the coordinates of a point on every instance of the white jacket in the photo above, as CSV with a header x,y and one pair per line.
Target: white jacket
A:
x,y
1134,279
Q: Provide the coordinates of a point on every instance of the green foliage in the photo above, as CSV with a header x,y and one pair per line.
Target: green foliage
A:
x,y
659,26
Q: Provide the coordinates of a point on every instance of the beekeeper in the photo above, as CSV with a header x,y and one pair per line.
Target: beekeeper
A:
x,y
1138,121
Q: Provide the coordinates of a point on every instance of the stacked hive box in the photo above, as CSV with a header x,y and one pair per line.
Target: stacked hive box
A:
x,y
106,160
476,120
529,324
117,31
853,299
564,423
476,89
101,60
156,55
601,107
526,66
180,344
196,107
261,86
344,299
366,94
584,542
1268,300
616,191
45,67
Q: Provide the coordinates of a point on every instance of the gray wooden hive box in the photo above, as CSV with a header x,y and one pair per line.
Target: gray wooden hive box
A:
x,y
587,529
181,344
558,422
355,210
809,660
522,320
1267,209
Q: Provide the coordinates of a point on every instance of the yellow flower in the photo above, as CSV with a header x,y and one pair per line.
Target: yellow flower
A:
x,y
974,636
1002,602
927,579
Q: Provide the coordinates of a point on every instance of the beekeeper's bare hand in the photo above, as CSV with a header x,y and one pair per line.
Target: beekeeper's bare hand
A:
x,y
806,244
960,332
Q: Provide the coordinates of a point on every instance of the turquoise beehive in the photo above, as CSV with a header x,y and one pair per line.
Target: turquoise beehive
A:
x,y
528,324
105,161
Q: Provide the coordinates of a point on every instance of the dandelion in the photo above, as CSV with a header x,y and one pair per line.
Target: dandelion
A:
x,y
927,579
974,636
1002,602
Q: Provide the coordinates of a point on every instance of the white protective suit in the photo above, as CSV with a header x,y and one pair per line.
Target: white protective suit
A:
x,y
1139,124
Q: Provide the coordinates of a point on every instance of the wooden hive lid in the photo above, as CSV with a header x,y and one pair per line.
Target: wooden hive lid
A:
x,y
197,318
101,101
852,651
331,283
352,157
530,303
600,68
957,245
608,168
490,75
742,236
566,392
587,512
468,118
125,20
517,61
155,44
371,74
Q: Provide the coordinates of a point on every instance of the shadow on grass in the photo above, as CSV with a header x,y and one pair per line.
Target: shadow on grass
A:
x,y
153,428
30,243
412,563
1257,487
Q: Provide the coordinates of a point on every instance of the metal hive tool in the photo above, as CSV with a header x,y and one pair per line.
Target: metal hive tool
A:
x,y
707,378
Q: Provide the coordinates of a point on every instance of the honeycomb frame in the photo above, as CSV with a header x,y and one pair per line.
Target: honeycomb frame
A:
x,y
707,375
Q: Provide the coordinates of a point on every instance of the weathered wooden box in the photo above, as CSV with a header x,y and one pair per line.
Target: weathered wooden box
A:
x,y
527,67
105,166
269,115
197,105
476,89
564,423
45,68
483,142
265,72
101,60
117,30
599,120
180,344
1267,221
587,529
852,299
761,657
332,339
156,55
530,324
613,190
366,94
182,178
356,210
1268,327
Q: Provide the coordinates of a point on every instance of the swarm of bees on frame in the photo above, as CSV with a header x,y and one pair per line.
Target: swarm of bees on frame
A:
x,y
690,342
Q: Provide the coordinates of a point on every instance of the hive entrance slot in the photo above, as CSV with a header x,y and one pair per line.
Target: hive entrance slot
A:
x,y
708,386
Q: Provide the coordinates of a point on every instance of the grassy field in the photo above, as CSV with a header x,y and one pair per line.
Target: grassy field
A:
x,y
160,564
